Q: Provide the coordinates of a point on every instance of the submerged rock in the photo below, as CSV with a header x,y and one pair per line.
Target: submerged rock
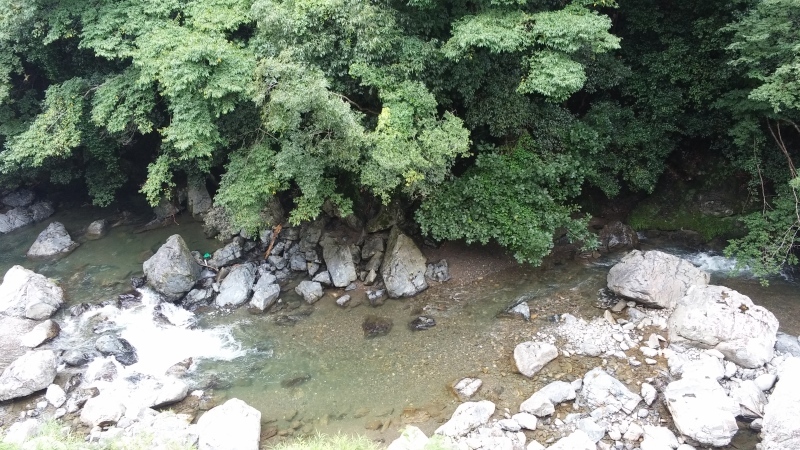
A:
x,y
438,271
467,387
52,241
422,323
172,271
97,229
25,293
117,347
654,278
723,319
375,326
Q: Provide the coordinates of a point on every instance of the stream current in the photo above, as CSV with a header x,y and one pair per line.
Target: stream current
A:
x,y
316,371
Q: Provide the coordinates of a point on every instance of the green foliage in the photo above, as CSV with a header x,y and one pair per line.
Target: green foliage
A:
x,y
517,198
323,442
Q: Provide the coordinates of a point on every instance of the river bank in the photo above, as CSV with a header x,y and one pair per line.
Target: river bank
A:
x,y
321,374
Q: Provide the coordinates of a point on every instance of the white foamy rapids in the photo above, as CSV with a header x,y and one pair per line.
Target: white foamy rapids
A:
x,y
158,345
714,263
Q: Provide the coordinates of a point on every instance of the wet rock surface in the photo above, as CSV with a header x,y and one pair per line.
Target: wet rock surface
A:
x,y
374,326
53,241
172,271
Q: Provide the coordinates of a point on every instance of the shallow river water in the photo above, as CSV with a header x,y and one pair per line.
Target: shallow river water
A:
x,y
317,372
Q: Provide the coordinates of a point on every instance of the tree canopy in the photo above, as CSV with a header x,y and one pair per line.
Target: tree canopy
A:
x,y
490,116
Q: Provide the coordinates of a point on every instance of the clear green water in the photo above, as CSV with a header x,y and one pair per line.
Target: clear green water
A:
x,y
322,374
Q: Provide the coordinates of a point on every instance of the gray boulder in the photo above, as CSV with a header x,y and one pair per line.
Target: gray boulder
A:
x,y
601,390
339,260
531,356
119,348
52,241
15,218
234,425
723,319
311,291
31,372
40,334
403,268
20,197
236,287
781,427
618,236
172,271
25,293
198,201
467,417
265,293
654,278
102,410
702,411
97,229
227,254
11,331
41,210
373,245
199,296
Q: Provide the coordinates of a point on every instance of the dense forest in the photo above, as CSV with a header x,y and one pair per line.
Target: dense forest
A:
x,y
488,117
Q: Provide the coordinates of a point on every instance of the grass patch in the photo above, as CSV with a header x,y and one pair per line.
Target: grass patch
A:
x,y
324,442
650,216
55,436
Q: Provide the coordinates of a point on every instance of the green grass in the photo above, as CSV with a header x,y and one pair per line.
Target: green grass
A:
x,y
54,435
324,442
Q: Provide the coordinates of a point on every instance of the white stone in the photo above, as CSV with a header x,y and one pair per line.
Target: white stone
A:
x,y
649,352
658,438
750,398
466,418
31,372
40,334
105,409
578,440
55,395
602,390
723,319
706,366
234,425
525,420
633,433
25,293
650,361
531,357
535,446
412,438
594,431
781,427
543,401
509,425
649,393
766,381
467,387
702,411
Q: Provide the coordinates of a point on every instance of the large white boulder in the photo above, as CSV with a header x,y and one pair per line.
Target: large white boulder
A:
x,y
25,293
412,438
542,402
654,278
781,427
29,373
172,271
531,356
702,411
723,319
234,425
578,440
403,268
601,390
103,410
750,398
467,417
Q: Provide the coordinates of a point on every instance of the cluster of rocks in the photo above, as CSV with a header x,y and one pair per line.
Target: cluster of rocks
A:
x,y
20,208
244,272
726,367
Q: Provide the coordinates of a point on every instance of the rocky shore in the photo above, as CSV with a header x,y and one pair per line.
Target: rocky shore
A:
x,y
674,363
